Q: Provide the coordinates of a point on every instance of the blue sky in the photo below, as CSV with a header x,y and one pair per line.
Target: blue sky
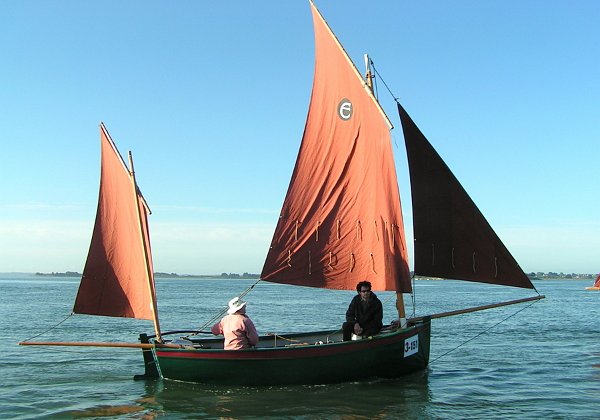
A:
x,y
211,98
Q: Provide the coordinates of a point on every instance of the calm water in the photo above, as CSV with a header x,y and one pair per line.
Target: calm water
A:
x,y
542,362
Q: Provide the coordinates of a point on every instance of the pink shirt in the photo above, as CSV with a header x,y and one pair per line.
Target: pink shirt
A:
x,y
239,332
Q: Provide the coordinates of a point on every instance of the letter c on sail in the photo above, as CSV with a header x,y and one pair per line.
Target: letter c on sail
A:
x,y
345,109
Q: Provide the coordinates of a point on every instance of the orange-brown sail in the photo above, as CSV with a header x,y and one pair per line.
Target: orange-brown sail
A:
x,y
117,278
452,238
341,220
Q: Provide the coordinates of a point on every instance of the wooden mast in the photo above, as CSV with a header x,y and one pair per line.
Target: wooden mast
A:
x,y
149,274
399,296
368,74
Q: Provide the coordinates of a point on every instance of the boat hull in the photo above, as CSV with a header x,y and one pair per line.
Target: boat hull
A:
x,y
388,355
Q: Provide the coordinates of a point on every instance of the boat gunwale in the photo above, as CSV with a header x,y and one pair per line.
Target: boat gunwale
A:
x,y
294,350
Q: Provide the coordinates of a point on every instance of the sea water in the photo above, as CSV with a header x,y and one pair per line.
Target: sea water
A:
x,y
523,362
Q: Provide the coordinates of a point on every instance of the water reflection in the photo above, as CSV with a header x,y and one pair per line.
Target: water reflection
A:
x,y
407,397
106,411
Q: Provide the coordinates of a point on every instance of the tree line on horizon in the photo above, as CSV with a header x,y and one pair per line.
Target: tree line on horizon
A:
x,y
532,275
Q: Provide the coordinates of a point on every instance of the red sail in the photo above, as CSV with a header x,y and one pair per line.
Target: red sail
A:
x,y
115,278
597,282
452,238
341,220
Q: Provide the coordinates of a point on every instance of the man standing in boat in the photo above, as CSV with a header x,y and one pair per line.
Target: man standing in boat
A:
x,y
237,328
365,313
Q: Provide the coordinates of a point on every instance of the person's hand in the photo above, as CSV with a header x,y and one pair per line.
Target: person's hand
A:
x,y
357,329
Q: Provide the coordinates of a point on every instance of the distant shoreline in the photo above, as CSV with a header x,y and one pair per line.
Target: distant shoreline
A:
x,y
65,274
161,275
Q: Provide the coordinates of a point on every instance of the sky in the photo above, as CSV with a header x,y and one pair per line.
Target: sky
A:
x,y
211,98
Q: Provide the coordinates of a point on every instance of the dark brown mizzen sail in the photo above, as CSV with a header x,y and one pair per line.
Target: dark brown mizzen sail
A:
x,y
341,221
117,279
452,238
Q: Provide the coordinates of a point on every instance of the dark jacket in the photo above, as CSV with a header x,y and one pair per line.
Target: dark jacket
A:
x,y
369,317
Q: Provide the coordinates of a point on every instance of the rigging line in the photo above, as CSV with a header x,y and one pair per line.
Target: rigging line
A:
x,y
291,340
483,332
413,297
536,290
386,300
51,328
382,81
224,311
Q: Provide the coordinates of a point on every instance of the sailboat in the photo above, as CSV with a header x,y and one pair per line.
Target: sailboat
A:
x,y
596,285
341,223
118,277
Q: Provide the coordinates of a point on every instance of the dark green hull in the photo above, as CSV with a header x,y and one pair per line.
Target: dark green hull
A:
x,y
300,359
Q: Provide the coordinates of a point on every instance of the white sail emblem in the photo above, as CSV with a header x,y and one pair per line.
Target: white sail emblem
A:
x,y
345,109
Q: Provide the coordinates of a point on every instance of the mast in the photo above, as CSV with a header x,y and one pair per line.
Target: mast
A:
x,y
368,74
399,296
144,239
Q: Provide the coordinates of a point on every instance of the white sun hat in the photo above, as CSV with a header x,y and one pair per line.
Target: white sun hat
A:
x,y
235,305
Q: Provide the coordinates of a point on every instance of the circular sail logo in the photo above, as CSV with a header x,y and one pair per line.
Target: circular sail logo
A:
x,y
345,109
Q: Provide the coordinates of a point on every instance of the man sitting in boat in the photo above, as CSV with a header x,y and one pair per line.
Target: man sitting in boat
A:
x,y
364,316
237,328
